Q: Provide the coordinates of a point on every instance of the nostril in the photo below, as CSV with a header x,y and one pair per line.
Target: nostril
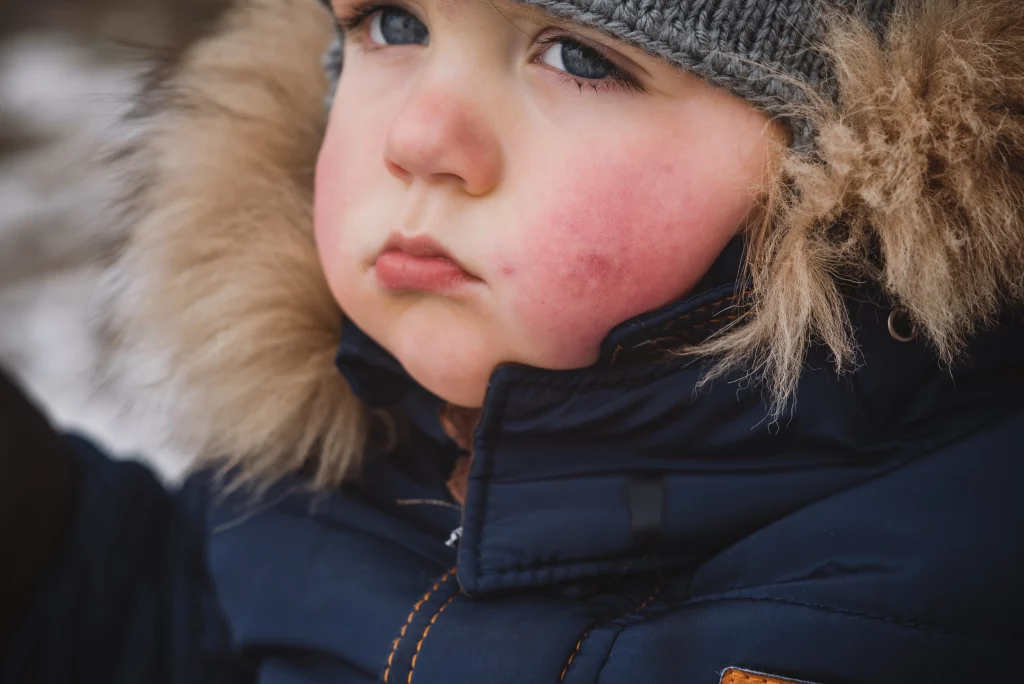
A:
x,y
397,170
453,178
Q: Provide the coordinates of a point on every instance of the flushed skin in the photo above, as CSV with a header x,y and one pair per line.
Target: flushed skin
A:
x,y
620,525
575,208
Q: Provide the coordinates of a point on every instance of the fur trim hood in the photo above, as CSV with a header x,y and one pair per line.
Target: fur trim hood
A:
x,y
220,319
219,305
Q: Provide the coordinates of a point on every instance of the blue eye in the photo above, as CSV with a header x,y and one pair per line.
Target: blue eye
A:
x,y
578,60
395,26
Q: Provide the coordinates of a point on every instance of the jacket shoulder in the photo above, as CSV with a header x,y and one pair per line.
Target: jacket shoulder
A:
x,y
919,567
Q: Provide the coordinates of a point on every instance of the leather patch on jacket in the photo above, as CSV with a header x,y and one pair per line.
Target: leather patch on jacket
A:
x,y
735,676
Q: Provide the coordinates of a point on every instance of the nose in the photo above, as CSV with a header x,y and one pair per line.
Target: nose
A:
x,y
442,135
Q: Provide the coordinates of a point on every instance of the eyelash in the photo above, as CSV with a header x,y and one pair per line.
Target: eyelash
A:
x,y
354,20
357,15
618,78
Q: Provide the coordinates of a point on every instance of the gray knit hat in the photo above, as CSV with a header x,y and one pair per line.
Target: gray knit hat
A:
x,y
767,52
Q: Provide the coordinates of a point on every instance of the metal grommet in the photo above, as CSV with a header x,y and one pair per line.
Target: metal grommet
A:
x,y
901,328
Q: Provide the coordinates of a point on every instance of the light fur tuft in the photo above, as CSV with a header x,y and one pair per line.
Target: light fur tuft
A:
x,y
918,185
221,310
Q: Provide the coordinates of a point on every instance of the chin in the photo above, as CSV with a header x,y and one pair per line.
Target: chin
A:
x,y
449,356
457,380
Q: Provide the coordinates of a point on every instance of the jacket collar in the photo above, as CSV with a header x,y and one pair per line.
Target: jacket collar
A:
x,y
627,466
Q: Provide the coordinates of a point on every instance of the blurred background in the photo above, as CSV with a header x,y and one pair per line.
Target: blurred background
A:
x,y
69,73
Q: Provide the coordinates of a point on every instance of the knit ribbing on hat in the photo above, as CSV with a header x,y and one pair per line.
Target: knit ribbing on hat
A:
x,y
768,52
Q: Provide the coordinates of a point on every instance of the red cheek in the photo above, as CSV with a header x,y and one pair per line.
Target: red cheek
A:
x,y
590,272
599,250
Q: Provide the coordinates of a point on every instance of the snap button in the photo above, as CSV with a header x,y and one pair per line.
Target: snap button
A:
x,y
901,328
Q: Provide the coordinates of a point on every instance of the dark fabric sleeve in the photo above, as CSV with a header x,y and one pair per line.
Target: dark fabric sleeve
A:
x,y
37,477
104,568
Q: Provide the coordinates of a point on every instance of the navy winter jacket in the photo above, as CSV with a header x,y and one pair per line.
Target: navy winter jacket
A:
x,y
621,527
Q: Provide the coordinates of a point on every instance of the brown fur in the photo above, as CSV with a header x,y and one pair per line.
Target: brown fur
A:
x,y
220,292
922,163
220,282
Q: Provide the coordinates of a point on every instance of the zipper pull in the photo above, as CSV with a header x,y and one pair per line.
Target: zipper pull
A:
x,y
454,539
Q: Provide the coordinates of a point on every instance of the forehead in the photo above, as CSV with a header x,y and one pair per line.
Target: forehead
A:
x,y
517,12
509,9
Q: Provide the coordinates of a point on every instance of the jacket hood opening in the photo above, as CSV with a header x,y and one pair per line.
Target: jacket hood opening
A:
x,y
221,316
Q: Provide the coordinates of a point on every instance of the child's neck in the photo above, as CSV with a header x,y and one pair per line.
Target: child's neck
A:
x,y
460,423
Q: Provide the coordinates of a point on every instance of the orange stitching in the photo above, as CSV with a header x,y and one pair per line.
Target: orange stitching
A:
x,y
579,644
705,308
654,594
730,317
419,645
573,655
415,609
668,324
675,321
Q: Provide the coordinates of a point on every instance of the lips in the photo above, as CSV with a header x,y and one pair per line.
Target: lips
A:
x,y
419,263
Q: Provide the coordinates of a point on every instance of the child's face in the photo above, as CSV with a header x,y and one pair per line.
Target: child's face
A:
x,y
575,181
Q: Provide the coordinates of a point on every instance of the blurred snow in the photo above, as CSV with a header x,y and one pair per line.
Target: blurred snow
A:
x,y
60,101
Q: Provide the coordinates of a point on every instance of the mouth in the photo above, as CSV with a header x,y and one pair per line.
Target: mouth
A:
x,y
419,264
